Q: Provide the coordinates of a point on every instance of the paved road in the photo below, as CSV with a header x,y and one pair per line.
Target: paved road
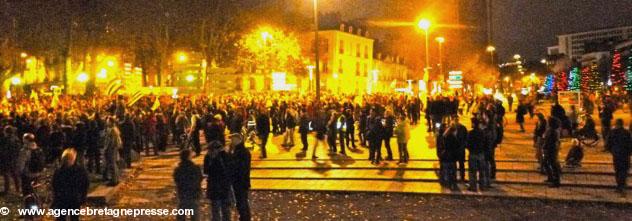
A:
x,y
289,169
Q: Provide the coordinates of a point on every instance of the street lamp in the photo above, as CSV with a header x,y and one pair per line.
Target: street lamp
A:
x,y
24,55
517,57
182,57
190,78
83,77
16,80
316,51
440,40
424,24
491,50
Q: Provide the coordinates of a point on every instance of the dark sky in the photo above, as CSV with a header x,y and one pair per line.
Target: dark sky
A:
x,y
525,27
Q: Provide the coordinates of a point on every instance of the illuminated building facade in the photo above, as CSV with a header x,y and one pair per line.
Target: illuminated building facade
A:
x,y
346,59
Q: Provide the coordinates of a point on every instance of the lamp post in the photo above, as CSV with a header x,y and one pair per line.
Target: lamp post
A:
x,y
316,53
491,50
440,40
424,24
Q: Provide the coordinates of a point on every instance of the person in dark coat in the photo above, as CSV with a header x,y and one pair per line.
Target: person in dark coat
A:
x,y
332,131
374,133
551,149
461,135
263,131
477,145
128,131
188,179
303,129
70,185
350,124
449,153
619,143
240,167
218,182
214,130
389,125
520,112
9,151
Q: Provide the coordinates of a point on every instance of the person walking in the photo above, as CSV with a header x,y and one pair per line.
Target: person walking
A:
x,y
70,185
331,132
402,132
619,143
263,131
218,181
520,112
240,175
290,124
538,140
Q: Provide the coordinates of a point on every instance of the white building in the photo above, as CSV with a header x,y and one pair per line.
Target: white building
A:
x,y
574,45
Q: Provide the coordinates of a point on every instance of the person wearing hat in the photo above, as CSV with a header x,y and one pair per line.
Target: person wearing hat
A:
x,y
240,167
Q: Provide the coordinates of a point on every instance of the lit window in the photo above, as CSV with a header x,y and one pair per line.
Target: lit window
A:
x,y
342,47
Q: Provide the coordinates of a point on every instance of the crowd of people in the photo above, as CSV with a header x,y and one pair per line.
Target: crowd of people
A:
x,y
98,136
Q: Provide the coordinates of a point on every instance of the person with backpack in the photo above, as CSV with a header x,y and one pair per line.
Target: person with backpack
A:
x,y
31,162
218,181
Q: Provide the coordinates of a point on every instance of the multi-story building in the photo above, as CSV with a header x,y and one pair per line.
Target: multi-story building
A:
x,y
575,45
389,73
346,59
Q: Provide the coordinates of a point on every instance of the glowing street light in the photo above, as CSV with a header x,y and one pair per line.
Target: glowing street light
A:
x,y
83,77
491,49
543,61
102,74
190,78
516,56
24,55
423,24
440,39
182,57
16,80
265,36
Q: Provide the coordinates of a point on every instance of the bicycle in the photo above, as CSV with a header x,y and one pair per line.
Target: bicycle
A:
x,y
34,201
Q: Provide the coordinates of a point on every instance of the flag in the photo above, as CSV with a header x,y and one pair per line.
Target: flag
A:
x,y
135,97
156,104
34,98
55,100
114,86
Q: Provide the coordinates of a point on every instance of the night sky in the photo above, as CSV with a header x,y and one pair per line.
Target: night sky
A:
x,y
526,27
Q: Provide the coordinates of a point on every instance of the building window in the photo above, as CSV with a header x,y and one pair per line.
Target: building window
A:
x,y
342,47
358,50
366,52
357,68
366,69
340,70
326,66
